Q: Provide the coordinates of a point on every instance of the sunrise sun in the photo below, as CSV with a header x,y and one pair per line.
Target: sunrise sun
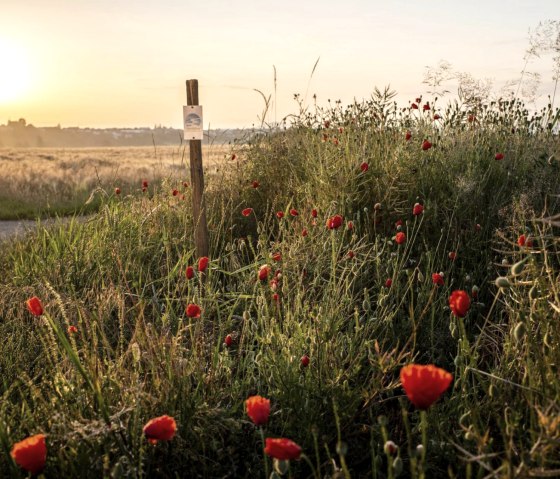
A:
x,y
15,74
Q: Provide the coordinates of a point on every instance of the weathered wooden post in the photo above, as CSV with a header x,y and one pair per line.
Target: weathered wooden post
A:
x,y
194,133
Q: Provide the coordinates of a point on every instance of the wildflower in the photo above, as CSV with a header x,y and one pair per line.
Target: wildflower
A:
x,y
418,100
424,385
304,361
340,129
390,448
398,224
350,225
35,306
364,167
524,241
418,209
175,192
437,117
255,184
327,124
203,264
437,279
335,142
304,232
258,409
377,206
31,453
280,214
426,107
144,184
282,449
350,254
247,211
277,256
276,297
426,145
499,156
185,184
314,213
470,118
408,136
388,283
452,255
161,428
228,341
233,157
189,272
400,237
193,310
117,191
72,329
459,302
294,212
264,271
334,222
414,106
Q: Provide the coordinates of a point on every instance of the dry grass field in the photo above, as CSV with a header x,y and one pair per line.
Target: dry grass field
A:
x,y
50,181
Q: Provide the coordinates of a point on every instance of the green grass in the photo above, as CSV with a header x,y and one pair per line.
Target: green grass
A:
x,y
120,279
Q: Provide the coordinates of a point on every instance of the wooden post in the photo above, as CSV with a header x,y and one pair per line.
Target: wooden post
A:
x,y
197,181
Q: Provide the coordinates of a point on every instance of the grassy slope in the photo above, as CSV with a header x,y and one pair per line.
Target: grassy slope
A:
x,y
120,279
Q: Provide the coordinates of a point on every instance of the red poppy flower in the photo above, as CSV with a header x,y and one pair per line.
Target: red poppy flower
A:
x,y
72,329
193,310
414,106
424,385
398,224
437,279
408,136
418,100
426,107
314,213
144,183
175,192
426,145
327,124
334,222
185,184
304,232
258,409
304,360
499,156
117,191
203,264
189,272
280,214
228,341
335,142
277,256
452,255
276,297
247,211
31,453
523,241
350,254
470,118
388,283
35,306
340,129
418,209
350,225
161,428
364,167
400,237
294,212
233,157
255,184
437,117
459,302
264,271
282,449
325,137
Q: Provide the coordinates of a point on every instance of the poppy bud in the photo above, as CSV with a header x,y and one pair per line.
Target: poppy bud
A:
x,y
304,360
426,145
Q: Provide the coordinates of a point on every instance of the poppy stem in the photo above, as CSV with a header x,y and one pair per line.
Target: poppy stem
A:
x,y
266,471
424,425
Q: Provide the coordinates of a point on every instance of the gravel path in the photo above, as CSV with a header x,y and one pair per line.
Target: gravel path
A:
x,y
11,229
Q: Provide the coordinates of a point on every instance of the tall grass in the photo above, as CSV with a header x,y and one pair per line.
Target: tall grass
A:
x,y
120,279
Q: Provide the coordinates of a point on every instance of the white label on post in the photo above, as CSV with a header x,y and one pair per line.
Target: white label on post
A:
x,y
192,119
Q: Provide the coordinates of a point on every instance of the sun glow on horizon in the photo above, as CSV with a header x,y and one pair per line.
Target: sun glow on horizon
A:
x,y
15,72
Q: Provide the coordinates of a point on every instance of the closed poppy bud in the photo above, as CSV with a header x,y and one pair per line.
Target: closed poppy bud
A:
x,y
418,100
398,224
304,232
228,341
414,106
474,291
424,385
117,191
161,428
203,264
350,254
72,329
477,227
388,283
282,449
400,237
426,107
499,156
390,448
247,211
277,257
175,192
264,271
437,279
276,297
294,212
350,225
258,409
377,206
189,272
334,222
304,361
436,117
459,302
364,167
31,453
314,213
280,214
418,209
193,310
408,136
452,255
426,145
255,184
34,306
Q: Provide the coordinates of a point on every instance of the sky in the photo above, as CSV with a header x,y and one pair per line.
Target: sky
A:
x,y
123,63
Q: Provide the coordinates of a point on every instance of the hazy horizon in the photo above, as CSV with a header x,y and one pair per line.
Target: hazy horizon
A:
x,y
107,64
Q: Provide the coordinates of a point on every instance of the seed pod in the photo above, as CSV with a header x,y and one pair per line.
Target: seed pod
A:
x,y
341,448
533,292
397,466
281,467
502,282
519,331
518,267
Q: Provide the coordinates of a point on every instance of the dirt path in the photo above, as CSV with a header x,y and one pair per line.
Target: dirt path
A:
x,y
15,228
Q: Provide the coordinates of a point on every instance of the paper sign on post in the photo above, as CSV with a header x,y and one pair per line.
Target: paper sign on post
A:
x,y
192,120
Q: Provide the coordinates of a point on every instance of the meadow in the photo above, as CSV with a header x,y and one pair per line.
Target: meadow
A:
x,y
347,254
